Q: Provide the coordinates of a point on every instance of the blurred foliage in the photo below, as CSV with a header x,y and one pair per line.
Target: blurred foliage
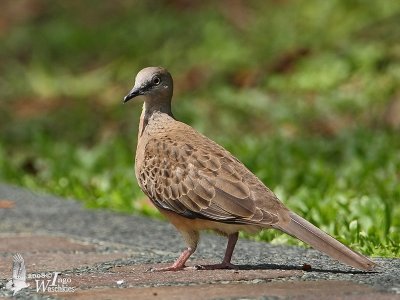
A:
x,y
305,93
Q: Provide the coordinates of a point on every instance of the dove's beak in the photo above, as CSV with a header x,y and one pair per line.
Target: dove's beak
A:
x,y
132,94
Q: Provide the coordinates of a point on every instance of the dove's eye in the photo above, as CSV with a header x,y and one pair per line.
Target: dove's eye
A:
x,y
156,80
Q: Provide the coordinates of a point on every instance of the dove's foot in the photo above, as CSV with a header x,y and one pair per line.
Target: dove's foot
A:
x,y
178,265
170,268
223,265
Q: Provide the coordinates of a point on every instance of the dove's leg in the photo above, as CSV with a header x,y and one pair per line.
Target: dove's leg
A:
x,y
226,263
191,238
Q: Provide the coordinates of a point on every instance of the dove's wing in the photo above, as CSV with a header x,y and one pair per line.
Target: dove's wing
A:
x,y
185,172
19,270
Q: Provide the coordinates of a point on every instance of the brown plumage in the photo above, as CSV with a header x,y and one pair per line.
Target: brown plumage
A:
x,y
199,185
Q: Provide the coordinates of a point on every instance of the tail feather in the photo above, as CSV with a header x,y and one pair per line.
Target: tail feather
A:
x,y
308,233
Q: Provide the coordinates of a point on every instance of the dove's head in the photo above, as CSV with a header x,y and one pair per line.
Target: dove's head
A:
x,y
154,83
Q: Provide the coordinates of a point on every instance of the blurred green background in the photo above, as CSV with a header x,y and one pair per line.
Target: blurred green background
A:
x,y
305,93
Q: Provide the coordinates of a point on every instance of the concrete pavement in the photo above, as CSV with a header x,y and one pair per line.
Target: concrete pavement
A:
x,y
75,253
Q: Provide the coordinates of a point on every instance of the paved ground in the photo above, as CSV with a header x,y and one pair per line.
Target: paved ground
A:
x,y
104,255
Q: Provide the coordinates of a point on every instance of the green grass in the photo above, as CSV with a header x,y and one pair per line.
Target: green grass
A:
x,y
346,185
303,92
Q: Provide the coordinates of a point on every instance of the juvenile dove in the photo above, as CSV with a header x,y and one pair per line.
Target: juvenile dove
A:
x,y
197,184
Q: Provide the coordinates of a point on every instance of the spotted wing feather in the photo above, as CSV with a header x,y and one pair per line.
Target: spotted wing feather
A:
x,y
196,178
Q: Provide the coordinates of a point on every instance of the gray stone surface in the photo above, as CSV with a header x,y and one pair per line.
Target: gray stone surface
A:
x,y
149,241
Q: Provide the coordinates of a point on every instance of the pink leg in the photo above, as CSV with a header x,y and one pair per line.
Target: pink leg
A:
x,y
191,238
179,264
226,263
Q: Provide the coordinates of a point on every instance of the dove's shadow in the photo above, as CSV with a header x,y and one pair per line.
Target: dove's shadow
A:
x,y
291,267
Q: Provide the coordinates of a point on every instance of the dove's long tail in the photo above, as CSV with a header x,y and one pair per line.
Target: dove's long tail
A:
x,y
308,233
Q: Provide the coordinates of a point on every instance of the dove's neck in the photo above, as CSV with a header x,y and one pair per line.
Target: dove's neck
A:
x,y
153,109
154,106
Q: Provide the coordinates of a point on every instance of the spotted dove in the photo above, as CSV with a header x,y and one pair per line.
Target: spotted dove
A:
x,y
197,184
